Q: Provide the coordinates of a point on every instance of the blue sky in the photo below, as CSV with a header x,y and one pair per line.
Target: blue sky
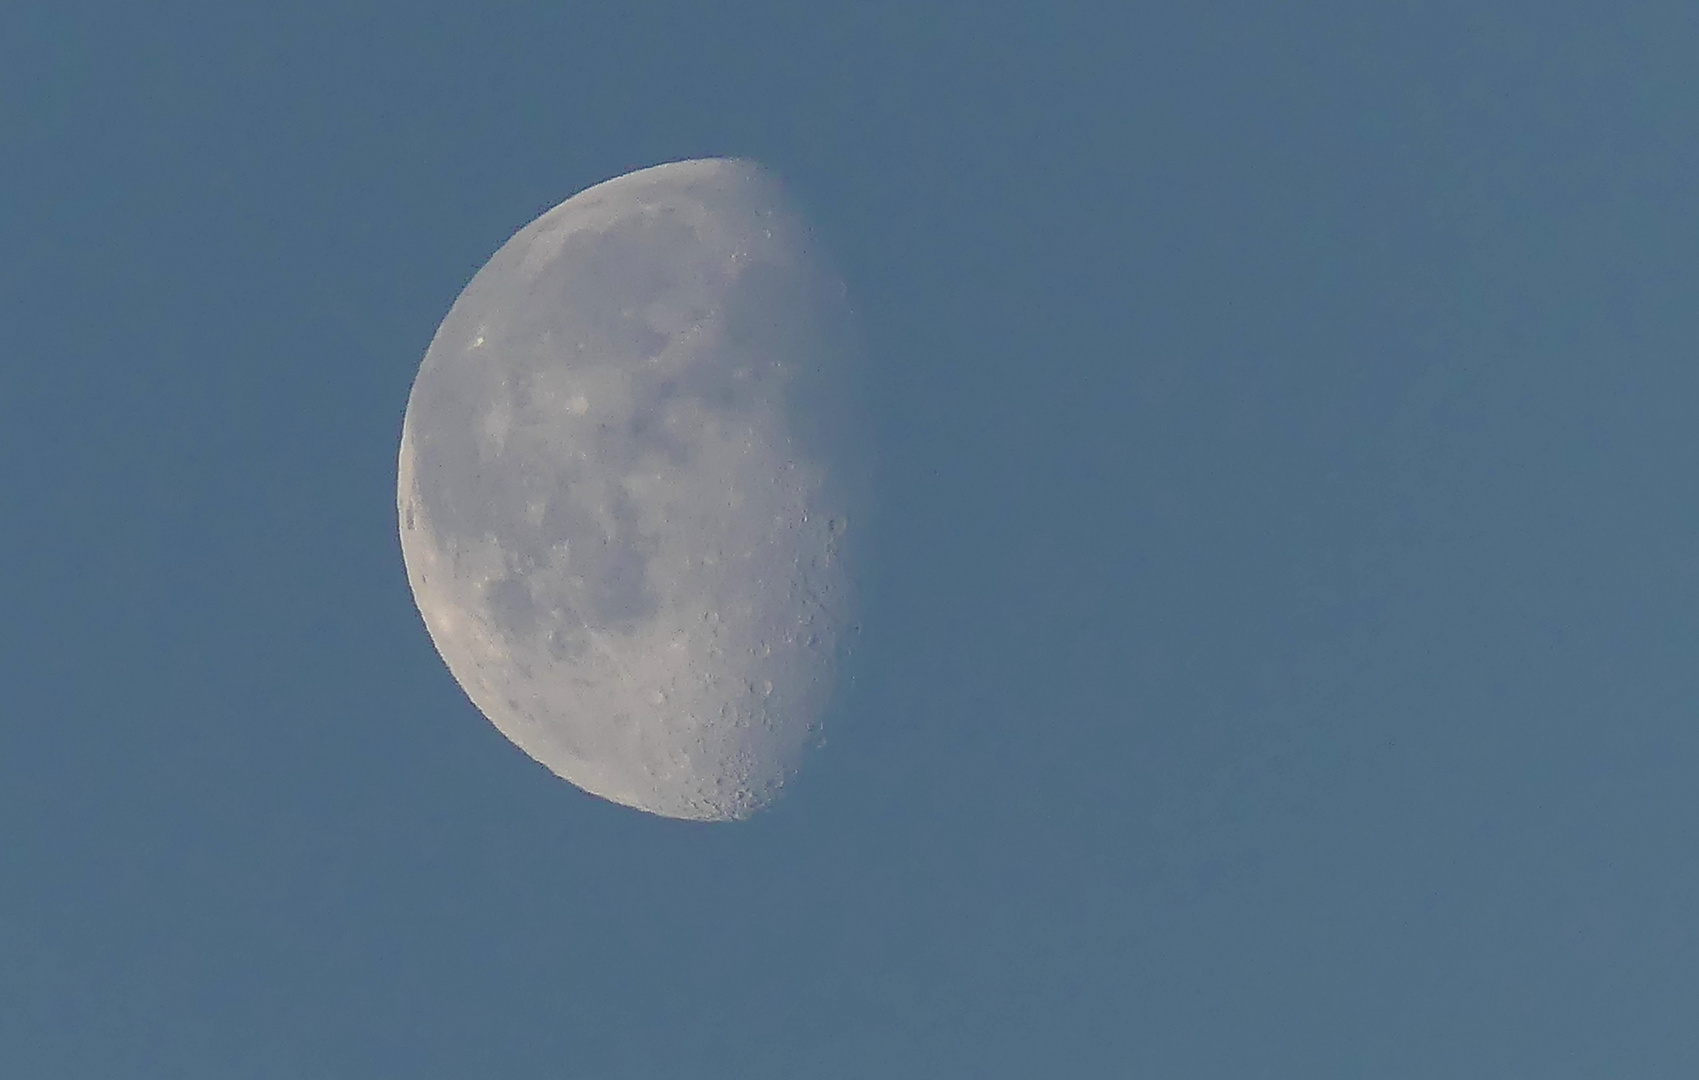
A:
x,y
1278,657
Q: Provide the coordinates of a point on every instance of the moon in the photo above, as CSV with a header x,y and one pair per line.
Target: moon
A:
x,y
631,483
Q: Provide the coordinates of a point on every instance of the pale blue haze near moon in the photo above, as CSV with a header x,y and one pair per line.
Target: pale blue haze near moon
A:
x,y
1279,635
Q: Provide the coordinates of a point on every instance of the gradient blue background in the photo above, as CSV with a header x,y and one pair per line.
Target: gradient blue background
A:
x,y
1279,658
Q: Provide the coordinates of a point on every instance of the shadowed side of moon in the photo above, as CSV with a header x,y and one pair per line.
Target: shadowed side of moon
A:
x,y
630,483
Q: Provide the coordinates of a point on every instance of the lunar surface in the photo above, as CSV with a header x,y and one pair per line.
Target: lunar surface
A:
x,y
630,484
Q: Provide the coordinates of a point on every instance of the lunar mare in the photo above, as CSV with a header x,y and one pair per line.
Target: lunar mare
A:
x,y
628,489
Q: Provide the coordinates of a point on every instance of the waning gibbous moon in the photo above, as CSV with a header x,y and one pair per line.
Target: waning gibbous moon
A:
x,y
631,481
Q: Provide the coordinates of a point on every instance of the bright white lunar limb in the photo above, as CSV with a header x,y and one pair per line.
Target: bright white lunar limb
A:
x,y
626,485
